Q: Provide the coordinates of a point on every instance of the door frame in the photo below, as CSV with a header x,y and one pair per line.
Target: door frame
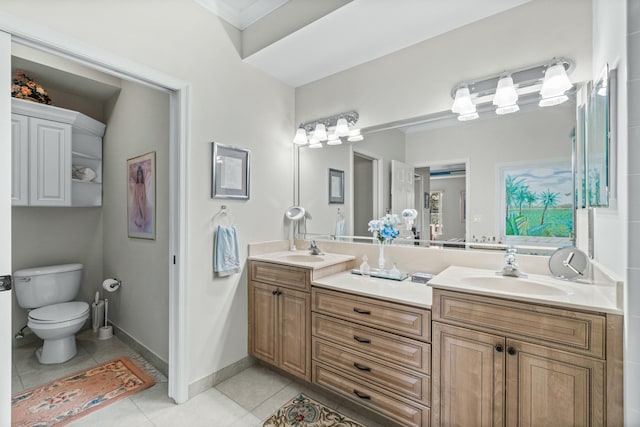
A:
x,y
43,39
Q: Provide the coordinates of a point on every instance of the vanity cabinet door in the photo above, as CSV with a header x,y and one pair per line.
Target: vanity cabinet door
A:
x,y
295,336
547,387
468,378
263,322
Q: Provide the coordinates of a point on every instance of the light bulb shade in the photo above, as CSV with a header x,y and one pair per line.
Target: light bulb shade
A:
x,y
334,140
556,82
462,103
554,100
355,135
320,133
316,144
342,127
301,137
468,116
507,109
506,94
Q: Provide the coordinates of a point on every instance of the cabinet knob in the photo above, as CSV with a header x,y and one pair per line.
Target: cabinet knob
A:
x,y
276,292
499,348
361,395
511,351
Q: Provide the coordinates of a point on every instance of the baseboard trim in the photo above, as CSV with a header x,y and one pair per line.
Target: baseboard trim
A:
x,y
204,384
143,351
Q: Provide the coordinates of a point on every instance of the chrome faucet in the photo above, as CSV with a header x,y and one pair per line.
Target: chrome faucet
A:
x,y
315,250
510,267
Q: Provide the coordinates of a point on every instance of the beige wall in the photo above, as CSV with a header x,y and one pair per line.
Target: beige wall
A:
x,y
137,123
231,103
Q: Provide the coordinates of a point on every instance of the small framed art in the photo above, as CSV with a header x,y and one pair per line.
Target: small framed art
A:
x,y
141,192
230,172
336,186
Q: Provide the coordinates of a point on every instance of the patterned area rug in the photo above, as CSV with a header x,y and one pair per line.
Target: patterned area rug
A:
x,y
305,412
67,399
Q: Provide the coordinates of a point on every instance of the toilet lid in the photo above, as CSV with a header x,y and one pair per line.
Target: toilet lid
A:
x,y
59,312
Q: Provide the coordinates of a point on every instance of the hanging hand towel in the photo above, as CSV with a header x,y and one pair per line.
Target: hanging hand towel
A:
x,y
226,260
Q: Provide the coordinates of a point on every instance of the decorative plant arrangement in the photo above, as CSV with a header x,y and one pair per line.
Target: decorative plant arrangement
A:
x,y
23,87
385,230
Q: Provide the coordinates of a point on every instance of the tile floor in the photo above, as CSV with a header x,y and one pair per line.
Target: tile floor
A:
x,y
245,399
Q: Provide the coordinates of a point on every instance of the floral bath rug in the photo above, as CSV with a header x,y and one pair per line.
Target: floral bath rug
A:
x,y
62,401
305,412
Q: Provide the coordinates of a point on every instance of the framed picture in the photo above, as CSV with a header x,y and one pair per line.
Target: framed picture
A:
x,y
230,172
141,196
336,186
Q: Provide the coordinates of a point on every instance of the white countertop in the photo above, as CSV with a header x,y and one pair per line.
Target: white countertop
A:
x,y
302,259
534,288
405,291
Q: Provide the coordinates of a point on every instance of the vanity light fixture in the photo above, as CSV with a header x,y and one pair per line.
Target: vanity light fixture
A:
x,y
329,129
549,78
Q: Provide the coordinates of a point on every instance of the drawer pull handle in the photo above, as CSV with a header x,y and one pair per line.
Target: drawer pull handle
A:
x,y
360,311
361,395
362,340
361,367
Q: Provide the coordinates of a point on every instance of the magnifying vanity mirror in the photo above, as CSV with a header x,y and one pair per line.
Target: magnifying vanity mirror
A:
x,y
484,184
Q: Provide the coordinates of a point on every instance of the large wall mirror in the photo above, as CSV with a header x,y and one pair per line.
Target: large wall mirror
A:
x,y
493,181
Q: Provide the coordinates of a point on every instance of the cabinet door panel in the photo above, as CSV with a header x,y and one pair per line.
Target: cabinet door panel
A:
x,y
19,160
548,387
50,163
263,322
468,378
295,337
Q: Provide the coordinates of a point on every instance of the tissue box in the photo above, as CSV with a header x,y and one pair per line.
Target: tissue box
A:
x,y
421,277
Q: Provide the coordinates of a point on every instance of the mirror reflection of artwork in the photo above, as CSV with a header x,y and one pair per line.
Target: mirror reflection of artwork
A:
x,y
538,200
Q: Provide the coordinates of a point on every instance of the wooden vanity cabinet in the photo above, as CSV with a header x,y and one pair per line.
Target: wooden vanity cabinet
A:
x,y
373,352
280,314
498,362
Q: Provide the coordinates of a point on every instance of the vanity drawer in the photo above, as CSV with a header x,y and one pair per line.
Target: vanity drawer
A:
x,y
574,331
401,410
393,349
407,383
397,318
280,275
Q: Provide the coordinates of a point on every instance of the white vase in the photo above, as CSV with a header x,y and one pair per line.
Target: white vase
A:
x,y
381,260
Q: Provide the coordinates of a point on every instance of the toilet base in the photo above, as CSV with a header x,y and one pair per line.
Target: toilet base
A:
x,y
57,351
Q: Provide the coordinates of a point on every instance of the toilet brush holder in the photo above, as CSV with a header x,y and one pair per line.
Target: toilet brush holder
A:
x,y
105,332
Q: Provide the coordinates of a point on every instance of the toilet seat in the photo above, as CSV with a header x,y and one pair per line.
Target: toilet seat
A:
x,y
57,313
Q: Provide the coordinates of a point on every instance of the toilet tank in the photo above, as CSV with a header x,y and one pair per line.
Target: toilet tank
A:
x,y
53,284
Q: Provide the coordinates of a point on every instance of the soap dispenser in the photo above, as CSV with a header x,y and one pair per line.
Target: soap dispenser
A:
x,y
364,267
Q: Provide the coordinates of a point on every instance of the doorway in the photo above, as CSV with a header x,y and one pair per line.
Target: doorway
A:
x,y
366,191
178,118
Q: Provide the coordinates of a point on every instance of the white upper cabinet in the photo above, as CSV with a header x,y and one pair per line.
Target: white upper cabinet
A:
x,y
49,144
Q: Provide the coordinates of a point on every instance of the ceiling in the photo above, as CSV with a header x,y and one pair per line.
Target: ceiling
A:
x,y
357,32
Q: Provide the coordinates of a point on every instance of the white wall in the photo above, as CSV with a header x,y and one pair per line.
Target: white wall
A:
x,y
418,80
487,144
231,103
137,123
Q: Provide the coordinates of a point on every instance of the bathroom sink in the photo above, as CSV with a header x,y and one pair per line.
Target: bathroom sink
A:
x,y
303,258
514,285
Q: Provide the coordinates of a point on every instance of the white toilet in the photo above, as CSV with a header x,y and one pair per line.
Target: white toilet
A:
x,y
48,293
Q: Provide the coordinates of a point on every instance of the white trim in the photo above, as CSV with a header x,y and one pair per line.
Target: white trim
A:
x,y
61,45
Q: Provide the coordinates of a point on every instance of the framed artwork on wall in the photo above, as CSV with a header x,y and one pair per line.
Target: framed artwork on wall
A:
x,y
230,172
141,196
336,186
